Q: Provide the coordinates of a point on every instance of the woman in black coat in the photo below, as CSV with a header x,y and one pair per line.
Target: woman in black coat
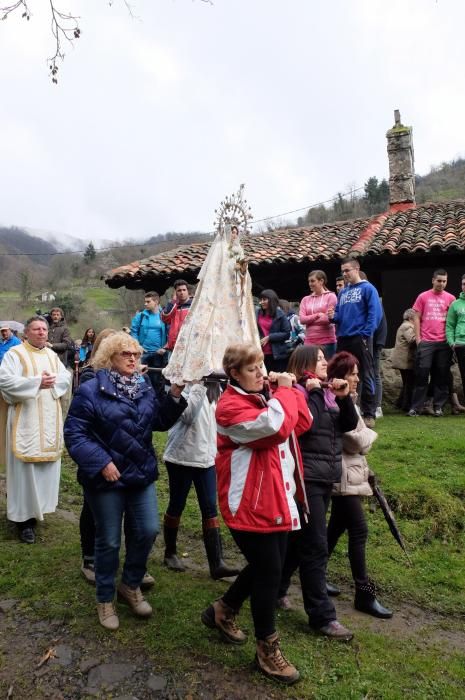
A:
x,y
333,414
274,330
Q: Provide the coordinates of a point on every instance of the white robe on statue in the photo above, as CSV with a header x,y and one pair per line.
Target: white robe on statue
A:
x,y
221,313
34,431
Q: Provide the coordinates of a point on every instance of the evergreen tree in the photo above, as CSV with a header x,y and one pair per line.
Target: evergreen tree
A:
x,y
89,254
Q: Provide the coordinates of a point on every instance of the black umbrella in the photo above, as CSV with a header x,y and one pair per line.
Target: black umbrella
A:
x,y
388,514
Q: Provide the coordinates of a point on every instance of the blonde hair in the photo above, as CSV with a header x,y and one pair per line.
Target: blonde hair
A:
x,y
241,354
110,346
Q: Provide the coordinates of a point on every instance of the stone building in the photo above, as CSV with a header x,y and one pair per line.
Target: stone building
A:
x,y
398,249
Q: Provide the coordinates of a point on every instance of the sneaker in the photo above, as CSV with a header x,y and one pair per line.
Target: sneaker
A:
x,y
284,603
147,582
272,663
379,412
412,413
223,618
107,616
334,630
332,590
438,413
369,421
134,598
88,571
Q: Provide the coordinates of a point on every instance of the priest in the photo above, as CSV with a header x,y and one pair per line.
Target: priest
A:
x,y
32,380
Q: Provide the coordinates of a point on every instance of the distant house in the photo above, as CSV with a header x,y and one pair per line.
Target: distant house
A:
x,y
46,296
399,249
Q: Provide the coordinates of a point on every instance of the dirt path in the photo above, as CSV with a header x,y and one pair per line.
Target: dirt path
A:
x,y
78,667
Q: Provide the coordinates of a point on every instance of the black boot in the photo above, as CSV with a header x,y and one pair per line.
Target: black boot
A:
x,y
170,533
26,531
366,601
214,550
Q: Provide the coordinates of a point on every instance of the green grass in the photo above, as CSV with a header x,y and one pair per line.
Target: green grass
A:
x,y
421,465
103,297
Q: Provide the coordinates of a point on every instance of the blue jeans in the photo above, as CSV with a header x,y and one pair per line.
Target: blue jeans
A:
x,y
180,480
140,510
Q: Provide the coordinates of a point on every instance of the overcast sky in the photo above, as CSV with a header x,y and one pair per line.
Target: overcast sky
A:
x,y
156,118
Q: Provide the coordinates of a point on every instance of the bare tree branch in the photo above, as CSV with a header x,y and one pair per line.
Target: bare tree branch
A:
x,y
64,26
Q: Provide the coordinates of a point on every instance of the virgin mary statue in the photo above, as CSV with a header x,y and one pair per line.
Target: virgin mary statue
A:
x,y
222,311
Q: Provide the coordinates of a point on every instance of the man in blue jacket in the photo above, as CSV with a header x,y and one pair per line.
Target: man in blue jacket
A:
x,y
8,340
357,316
150,331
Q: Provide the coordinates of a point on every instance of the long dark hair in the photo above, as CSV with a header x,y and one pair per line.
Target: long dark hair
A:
x,y
85,338
303,359
273,302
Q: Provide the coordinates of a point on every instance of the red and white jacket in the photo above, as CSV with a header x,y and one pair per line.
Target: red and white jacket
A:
x,y
257,453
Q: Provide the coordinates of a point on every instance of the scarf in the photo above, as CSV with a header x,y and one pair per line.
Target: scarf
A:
x,y
127,386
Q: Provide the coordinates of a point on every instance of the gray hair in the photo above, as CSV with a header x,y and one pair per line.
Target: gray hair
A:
x,y
409,314
36,317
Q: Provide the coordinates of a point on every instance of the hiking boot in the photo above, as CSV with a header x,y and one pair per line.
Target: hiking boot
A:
x,y
332,590
88,571
413,414
366,601
272,663
27,535
284,603
170,533
220,616
107,616
214,549
369,421
147,582
334,630
134,598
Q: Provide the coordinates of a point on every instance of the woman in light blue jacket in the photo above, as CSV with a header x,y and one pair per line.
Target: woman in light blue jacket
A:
x,y
190,459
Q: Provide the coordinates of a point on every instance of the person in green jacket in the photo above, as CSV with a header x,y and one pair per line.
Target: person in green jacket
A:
x,y
455,330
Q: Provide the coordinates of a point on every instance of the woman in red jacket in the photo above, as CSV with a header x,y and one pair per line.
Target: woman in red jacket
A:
x,y
259,472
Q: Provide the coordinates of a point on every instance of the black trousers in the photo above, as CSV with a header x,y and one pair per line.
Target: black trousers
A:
x,y
308,550
405,398
347,514
431,358
362,348
273,365
87,531
260,579
460,355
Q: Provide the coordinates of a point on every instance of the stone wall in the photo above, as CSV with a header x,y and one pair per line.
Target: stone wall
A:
x,y
392,382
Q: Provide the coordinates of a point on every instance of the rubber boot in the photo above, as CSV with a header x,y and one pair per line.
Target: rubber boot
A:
x,y
170,533
214,550
457,407
366,601
272,663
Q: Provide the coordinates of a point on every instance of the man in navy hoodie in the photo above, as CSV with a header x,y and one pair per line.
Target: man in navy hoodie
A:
x,y
357,315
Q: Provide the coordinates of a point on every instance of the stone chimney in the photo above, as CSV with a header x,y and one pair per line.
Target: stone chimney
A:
x,y
401,163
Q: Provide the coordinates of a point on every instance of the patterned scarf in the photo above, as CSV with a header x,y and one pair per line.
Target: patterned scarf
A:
x,y
127,386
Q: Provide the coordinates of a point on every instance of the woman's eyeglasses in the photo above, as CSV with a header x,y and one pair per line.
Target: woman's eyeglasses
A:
x,y
128,354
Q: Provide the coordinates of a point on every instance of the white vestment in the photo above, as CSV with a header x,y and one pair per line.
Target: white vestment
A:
x,y
34,431
222,313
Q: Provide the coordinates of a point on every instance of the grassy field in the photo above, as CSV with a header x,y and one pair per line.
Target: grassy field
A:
x,y
421,465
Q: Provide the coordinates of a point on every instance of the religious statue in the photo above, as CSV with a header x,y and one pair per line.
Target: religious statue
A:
x,y
222,310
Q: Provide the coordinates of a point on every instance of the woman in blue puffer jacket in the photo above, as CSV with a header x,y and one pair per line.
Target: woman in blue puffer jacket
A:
x,y
108,433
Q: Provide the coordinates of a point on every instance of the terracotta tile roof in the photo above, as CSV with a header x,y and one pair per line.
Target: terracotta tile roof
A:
x,y
405,229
